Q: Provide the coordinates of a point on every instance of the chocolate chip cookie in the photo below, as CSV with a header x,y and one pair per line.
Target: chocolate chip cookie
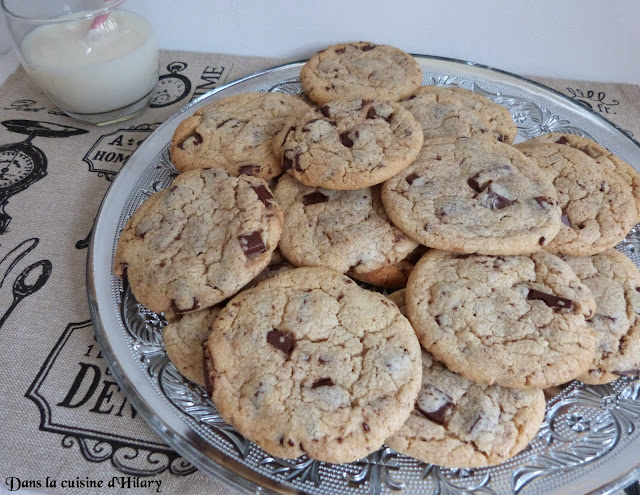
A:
x,y
199,241
393,276
309,363
183,341
601,155
351,144
360,69
598,208
515,321
235,133
615,284
457,112
342,230
474,196
458,423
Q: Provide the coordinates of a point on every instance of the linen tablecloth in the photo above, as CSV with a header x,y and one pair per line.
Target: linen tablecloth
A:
x,y
63,418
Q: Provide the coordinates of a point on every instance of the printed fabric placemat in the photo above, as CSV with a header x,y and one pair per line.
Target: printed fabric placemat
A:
x,y
65,424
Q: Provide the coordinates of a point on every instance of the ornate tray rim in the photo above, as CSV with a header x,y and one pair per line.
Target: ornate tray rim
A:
x,y
229,471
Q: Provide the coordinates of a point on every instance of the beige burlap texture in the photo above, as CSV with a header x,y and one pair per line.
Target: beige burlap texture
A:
x,y
63,418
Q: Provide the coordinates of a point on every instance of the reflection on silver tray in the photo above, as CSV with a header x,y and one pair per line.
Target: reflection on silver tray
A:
x,y
589,441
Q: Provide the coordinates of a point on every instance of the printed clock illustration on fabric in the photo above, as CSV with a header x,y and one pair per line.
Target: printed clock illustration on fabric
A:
x,y
172,87
22,164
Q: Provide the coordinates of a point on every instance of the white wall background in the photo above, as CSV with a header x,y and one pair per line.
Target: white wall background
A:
x,y
575,39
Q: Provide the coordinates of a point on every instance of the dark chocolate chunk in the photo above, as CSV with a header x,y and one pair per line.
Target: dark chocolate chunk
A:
x,y
263,195
287,163
410,178
249,169
368,47
473,425
474,184
281,340
178,310
325,110
603,186
551,300
366,427
562,140
292,128
626,372
346,140
208,367
364,103
252,244
371,113
230,120
322,382
195,135
541,241
438,415
314,198
305,128
296,162
496,201
502,138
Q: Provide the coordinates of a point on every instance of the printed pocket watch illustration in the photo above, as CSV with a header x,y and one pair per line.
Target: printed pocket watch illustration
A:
x,y
22,164
172,87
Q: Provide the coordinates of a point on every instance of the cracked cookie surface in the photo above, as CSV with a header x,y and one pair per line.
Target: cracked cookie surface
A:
x,y
308,362
515,321
342,230
184,337
199,241
236,134
598,208
351,144
473,196
450,111
360,69
614,282
458,423
601,155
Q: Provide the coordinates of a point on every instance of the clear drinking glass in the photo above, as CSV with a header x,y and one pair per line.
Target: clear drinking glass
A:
x,y
96,61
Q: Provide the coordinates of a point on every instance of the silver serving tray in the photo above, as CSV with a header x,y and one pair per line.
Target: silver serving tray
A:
x,y
589,442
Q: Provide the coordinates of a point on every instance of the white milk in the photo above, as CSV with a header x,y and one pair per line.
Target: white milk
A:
x,y
86,76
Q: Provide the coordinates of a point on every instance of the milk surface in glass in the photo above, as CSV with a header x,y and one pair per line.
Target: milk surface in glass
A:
x,y
86,74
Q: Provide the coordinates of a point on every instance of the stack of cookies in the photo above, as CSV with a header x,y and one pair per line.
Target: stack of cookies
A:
x,y
509,283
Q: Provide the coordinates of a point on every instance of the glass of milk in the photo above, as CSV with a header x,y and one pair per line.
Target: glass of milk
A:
x,y
96,61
